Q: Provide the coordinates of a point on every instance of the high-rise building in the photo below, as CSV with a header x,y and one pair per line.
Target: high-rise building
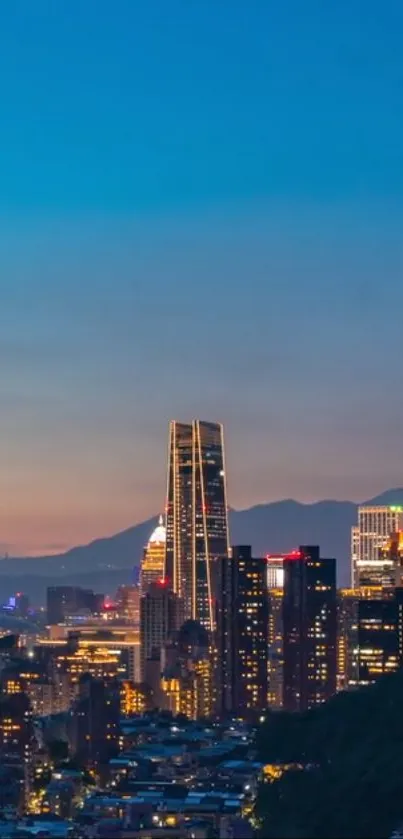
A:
x,y
377,638
368,539
242,632
347,636
275,585
160,618
153,561
310,627
275,649
95,719
197,525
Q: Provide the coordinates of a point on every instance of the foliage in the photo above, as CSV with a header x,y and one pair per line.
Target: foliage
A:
x,y
352,752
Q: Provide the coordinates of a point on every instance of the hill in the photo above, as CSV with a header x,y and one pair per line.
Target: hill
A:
x,y
352,751
280,526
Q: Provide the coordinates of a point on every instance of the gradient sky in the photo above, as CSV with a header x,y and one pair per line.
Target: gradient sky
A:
x,y
201,214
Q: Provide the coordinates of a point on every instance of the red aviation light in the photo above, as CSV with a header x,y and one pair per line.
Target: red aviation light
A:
x,y
294,555
163,582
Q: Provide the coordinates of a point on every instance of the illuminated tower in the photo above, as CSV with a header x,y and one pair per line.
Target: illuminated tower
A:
x,y
242,633
152,564
310,629
197,526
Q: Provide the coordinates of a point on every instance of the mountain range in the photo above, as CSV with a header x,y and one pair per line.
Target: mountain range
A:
x,y
269,528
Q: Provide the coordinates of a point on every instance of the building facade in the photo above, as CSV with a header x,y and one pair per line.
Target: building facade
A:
x,y
160,618
275,571
369,538
377,638
242,633
310,629
196,516
275,649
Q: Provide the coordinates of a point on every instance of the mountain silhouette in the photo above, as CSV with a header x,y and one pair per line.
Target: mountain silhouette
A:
x,y
106,563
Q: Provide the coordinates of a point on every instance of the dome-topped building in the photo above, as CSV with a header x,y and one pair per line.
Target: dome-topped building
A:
x,y
153,561
158,535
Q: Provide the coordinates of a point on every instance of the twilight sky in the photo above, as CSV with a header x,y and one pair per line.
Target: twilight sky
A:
x,y
201,210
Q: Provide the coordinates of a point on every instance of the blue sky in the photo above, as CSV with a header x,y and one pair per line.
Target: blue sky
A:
x,y
201,208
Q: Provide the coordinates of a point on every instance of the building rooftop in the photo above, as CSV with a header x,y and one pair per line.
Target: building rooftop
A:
x,y
159,533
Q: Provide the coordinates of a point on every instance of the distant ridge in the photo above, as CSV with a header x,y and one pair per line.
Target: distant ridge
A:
x,y
279,526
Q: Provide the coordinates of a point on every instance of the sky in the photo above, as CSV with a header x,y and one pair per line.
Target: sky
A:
x,y
201,208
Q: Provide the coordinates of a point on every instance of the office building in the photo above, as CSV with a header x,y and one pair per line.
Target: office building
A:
x,y
153,561
370,566
275,649
242,633
310,626
377,647
160,618
197,526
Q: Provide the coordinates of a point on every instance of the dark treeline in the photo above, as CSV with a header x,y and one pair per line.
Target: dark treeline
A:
x,y
352,751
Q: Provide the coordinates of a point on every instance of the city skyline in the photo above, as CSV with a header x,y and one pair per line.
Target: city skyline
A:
x,y
187,234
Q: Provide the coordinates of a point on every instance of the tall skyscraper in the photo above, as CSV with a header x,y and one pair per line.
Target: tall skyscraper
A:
x,y
153,561
275,649
310,628
368,539
275,585
196,517
242,633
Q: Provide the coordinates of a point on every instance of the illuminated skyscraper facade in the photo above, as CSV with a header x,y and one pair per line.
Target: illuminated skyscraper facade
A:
x,y
275,571
153,561
275,661
370,565
196,516
377,638
275,649
310,629
242,633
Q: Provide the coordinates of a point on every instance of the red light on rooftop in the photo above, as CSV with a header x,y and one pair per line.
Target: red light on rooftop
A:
x,y
162,582
294,555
